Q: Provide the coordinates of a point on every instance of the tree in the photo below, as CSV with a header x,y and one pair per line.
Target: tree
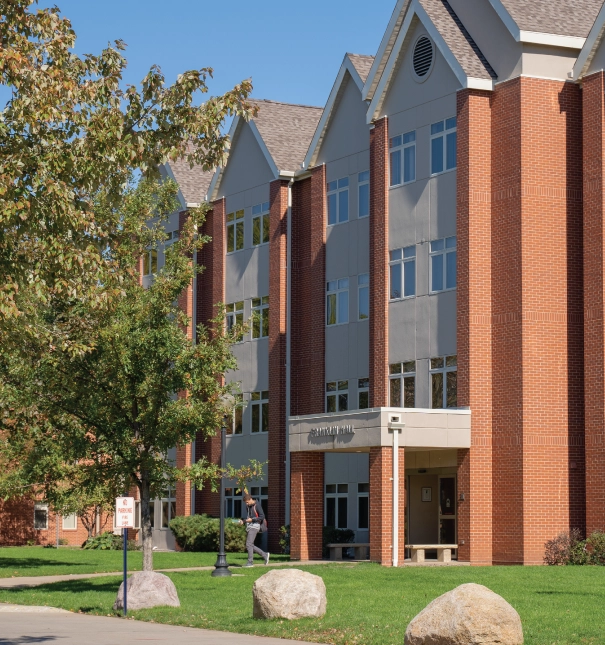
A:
x,y
72,422
71,133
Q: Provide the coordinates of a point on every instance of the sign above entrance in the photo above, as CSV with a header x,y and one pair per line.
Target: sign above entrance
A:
x,y
125,512
332,431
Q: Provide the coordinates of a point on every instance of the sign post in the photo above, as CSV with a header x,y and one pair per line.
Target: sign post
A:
x,y
125,521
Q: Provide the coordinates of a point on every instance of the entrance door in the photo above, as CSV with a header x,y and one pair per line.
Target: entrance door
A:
x,y
447,510
423,504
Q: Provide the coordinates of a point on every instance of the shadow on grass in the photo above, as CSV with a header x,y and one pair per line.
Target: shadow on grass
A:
x,y
74,586
23,640
14,564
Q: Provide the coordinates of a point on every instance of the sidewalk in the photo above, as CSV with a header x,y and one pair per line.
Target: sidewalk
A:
x,y
19,625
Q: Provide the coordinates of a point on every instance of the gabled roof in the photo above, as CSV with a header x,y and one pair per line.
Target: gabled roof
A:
x,y
451,39
193,182
355,67
283,132
562,23
593,42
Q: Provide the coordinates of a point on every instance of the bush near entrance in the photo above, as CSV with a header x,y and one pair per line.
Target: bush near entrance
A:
x,y
571,549
201,533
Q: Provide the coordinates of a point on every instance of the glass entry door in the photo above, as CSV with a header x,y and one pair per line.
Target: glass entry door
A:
x,y
447,510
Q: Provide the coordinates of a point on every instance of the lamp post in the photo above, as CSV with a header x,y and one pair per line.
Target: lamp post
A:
x,y
221,569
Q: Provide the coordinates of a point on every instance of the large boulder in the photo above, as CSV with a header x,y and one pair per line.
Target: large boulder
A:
x,y
147,589
469,615
289,594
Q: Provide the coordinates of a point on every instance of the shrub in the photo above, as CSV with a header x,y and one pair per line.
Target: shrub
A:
x,y
566,548
332,535
109,542
595,548
63,542
201,533
284,539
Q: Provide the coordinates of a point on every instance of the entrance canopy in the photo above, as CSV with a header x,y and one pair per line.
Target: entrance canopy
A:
x,y
360,430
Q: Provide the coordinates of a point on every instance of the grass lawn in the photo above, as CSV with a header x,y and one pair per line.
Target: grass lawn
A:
x,y
37,561
367,604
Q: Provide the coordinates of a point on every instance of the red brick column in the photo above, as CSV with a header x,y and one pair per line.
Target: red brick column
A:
x,y
379,262
381,505
474,328
306,505
593,99
277,359
210,291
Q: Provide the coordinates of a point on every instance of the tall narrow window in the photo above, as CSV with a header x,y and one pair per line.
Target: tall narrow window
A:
x,y
363,393
363,506
168,502
403,273
233,502
363,188
259,401
443,264
337,396
150,262
402,381
337,302
70,522
235,231
443,146
403,158
41,516
337,501
237,417
260,224
260,317
235,314
363,283
444,382
338,201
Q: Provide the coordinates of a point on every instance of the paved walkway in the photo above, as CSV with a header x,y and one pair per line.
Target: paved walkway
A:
x,y
41,625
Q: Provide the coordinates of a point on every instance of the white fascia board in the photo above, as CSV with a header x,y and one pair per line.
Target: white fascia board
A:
x,y
218,173
347,66
554,40
168,170
479,83
262,145
192,205
506,18
382,49
594,39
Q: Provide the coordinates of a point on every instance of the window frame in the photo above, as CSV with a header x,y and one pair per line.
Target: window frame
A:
x,y
75,522
260,313
398,146
336,292
363,284
150,259
233,494
336,495
40,506
445,251
401,372
261,494
234,315
363,179
341,388
234,220
363,495
363,387
259,400
170,502
444,371
336,188
262,212
444,134
237,417
403,263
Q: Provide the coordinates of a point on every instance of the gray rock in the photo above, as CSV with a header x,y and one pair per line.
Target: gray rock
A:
x,y
469,615
147,589
289,594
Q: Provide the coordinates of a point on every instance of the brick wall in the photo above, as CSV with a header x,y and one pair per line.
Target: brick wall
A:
x,y
474,329
379,262
277,359
307,505
593,100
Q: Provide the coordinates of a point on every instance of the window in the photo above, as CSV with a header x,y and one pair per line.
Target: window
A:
x,y
41,516
260,317
443,146
337,501
363,393
259,402
168,502
338,201
337,306
403,273
235,231
443,264
260,224
171,236
233,502
337,396
261,494
403,158
235,314
403,384
363,506
444,382
150,262
363,190
363,300
70,522
237,424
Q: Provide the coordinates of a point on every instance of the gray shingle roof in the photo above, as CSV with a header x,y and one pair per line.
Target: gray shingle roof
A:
x,y
287,131
561,17
457,38
193,182
362,64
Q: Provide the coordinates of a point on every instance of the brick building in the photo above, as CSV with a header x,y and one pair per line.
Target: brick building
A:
x,y
422,261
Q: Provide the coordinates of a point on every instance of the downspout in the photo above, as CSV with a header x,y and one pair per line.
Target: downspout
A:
x,y
395,426
288,342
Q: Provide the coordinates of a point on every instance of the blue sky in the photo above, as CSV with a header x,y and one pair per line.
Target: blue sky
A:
x,y
292,50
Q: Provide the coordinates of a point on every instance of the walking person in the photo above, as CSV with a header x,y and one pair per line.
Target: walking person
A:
x,y
253,518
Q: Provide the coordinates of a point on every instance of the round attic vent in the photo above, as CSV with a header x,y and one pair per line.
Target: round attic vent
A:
x,y
423,57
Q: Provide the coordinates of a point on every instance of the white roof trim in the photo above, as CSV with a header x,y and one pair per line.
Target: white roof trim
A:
x,y
168,171
347,66
595,38
263,146
416,9
388,39
506,18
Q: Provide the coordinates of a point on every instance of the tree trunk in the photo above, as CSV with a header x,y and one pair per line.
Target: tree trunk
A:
x,y
146,525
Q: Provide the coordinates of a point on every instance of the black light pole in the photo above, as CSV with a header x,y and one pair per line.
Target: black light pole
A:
x,y
221,568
